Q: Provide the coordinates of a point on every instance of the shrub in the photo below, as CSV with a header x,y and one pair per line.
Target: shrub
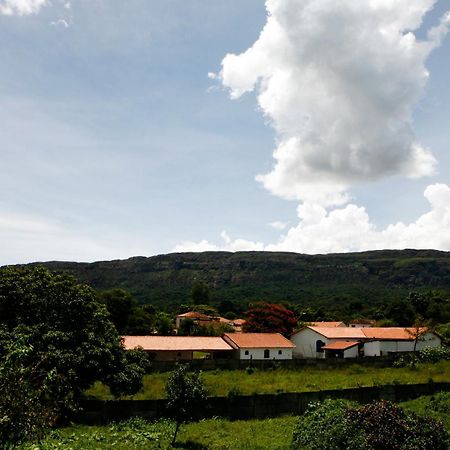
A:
x,y
427,355
336,425
324,426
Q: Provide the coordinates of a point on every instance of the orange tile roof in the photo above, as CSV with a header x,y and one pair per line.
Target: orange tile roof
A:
x,y
258,340
340,332
239,321
326,324
195,315
391,333
176,343
340,345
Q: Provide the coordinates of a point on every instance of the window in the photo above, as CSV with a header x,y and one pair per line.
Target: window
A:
x,y
319,345
280,352
246,352
266,353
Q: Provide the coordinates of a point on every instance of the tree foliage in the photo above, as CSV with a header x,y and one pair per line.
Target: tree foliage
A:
x,y
73,343
200,293
270,318
186,395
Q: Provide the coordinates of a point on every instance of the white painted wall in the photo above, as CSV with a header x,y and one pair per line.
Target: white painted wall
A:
x,y
305,342
382,348
258,353
351,352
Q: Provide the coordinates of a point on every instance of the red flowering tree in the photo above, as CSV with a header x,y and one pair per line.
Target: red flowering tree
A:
x,y
269,318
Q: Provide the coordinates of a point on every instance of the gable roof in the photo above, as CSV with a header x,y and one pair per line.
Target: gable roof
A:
x,y
384,334
392,333
176,343
340,345
340,332
195,315
327,324
257,340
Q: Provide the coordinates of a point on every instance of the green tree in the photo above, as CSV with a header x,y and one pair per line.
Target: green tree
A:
x,y
24,415
120,305
73,341
186,395
200,294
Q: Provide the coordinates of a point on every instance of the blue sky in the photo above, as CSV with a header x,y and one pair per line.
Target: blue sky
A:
x,y
115,142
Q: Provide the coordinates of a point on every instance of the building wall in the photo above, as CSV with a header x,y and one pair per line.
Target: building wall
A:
x,y
305,342
382,348
351,352
169,355
258,353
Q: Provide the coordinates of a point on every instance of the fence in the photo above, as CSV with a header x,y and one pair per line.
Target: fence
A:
x,y
234,364
254,406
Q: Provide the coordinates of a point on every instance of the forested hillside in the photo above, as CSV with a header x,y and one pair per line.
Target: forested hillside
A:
x,y
335,281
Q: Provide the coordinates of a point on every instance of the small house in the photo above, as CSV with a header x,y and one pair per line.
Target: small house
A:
x,y
260,346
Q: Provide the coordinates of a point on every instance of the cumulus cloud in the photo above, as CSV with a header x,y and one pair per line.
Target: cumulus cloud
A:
x,y
21,7
338,82
349,229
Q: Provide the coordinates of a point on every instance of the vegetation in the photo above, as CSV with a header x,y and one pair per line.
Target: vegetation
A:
x,y
427,355
137,434
185,394
269,318
215,434
321,287
222,382
56,340
335,425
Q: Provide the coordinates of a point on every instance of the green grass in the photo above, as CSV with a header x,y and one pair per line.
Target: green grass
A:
x,y
437,406
270,434
221,382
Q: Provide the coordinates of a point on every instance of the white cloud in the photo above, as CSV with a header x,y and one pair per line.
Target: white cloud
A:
x,y
338,82
21,7
349,229
277,225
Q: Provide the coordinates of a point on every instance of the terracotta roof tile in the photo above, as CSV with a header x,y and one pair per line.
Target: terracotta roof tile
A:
x,y
391,333
340,345
340,332
195,315
176,343
326,324
258,340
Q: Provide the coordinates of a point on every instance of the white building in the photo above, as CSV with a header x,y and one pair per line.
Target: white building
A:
x,y
257,346
309,341
349,342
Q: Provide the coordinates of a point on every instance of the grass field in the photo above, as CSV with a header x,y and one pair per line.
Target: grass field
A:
x,y
214,434
270,434
220,383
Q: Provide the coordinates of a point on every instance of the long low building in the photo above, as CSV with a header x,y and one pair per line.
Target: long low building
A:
x,y
178,348
252,346
349,342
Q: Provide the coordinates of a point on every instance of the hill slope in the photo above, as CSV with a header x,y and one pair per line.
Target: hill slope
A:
x,y
375,277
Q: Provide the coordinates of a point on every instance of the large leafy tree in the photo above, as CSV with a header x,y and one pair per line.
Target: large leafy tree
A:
x,y
72,342
270,318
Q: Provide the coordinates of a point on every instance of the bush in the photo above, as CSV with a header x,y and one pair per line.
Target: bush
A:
x,y
324,426
336,425
427,355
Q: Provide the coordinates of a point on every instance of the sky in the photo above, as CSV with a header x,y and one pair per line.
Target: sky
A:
x,y
146,127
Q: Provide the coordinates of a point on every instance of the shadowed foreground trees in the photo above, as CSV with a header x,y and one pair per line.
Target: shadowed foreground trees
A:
x,y
61,339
